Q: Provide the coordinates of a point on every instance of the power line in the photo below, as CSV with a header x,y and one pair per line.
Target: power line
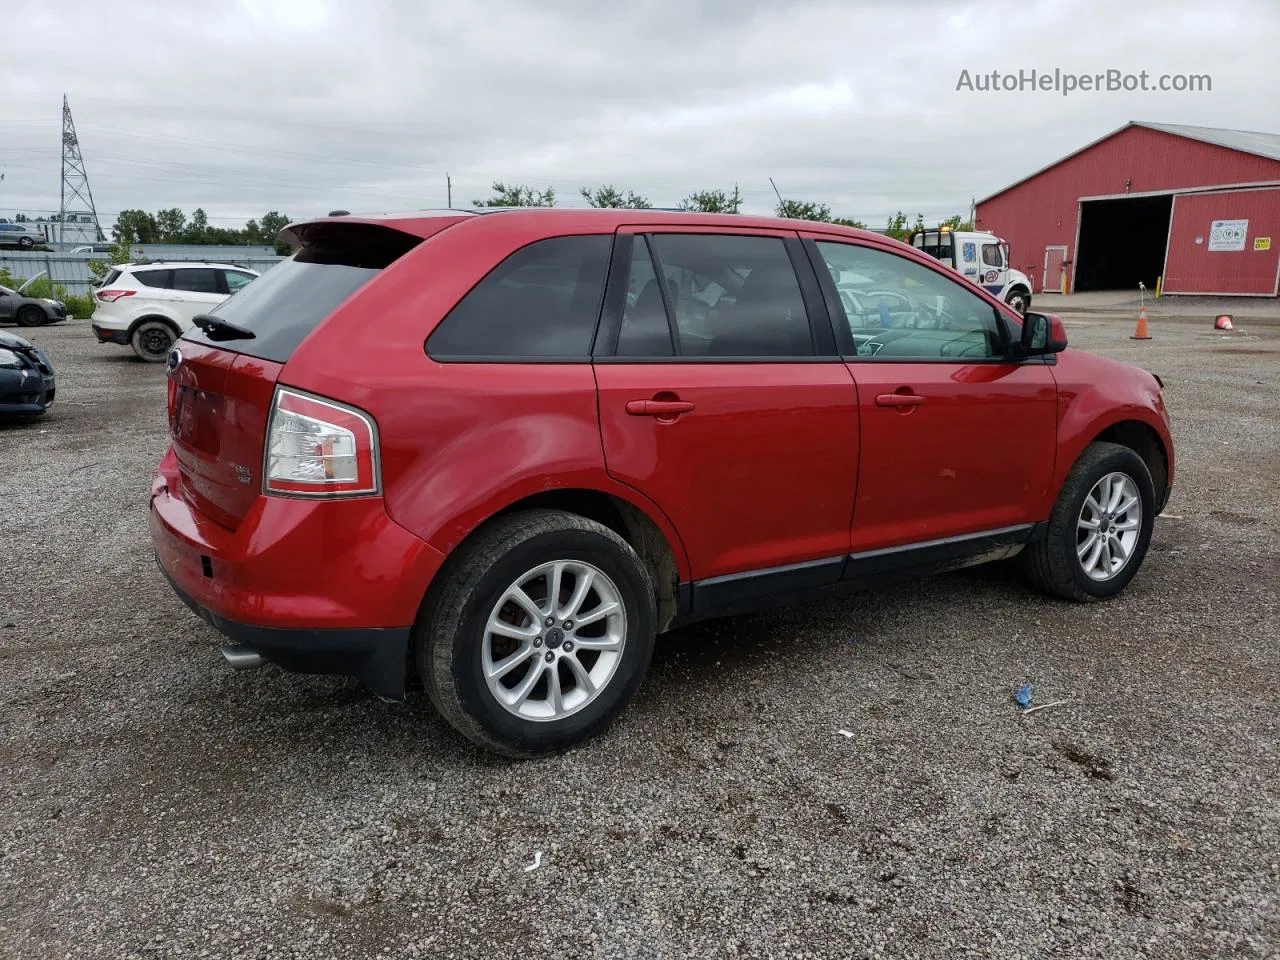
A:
x,y
888,181
240,180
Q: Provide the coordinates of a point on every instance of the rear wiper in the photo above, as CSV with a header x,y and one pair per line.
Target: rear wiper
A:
x,y
215,328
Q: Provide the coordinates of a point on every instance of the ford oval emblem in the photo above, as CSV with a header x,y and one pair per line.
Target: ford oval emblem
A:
x,y
175,358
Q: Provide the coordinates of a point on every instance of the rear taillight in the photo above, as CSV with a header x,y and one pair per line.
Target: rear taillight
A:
x,y
111,296
319,448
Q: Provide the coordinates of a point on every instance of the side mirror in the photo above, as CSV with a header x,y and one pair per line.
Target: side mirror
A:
x,y
1042,333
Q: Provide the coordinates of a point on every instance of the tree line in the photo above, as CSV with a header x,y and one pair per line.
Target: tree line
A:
x,y
137,227
702,201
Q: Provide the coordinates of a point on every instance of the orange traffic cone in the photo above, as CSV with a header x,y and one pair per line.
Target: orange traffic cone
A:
x,y
1222,322
1141,332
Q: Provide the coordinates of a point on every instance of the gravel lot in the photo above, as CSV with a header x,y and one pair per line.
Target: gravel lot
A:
x,y
154,803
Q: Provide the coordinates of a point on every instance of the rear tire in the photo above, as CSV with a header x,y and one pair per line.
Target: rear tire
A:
x,y
31,316
458,648
1064,564
152,340
26,243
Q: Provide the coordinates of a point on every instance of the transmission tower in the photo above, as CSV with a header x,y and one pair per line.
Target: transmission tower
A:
x,y
76,203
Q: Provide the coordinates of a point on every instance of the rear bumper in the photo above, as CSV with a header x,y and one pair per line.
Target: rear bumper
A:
x,y
106,335
316,587
376,657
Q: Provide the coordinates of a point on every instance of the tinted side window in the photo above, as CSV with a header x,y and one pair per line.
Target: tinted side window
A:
x,y
645,331
153,278
542,301
733,296
991,255
196,280
899,309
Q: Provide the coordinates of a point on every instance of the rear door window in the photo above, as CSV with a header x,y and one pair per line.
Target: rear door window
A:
x,y
542,302
728,296
196,280
645,330
294,297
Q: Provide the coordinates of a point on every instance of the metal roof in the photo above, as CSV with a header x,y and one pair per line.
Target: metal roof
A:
x,y
1246,141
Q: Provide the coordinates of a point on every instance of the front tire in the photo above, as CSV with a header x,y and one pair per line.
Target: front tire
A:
x,y
539,633
31,316
152,340
1099,529
1019,299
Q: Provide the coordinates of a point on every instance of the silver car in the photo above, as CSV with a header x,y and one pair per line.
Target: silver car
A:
x,y
24,235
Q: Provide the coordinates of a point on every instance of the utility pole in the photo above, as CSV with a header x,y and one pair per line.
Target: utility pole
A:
x,y
448,186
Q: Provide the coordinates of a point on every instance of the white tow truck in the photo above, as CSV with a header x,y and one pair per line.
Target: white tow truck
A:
x,y
981,257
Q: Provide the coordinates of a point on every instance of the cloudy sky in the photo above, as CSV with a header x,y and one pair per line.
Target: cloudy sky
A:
x,y
303,106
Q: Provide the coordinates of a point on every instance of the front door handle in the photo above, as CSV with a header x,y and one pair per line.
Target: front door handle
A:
x,y
658,408
899,400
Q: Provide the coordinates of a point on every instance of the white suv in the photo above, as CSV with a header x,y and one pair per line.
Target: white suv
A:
x,y
148,306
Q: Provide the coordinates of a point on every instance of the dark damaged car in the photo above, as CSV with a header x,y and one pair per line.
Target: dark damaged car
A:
x,y
29,311
26,377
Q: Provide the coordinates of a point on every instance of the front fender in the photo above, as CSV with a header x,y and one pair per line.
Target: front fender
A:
x,y
1097,394
1017,279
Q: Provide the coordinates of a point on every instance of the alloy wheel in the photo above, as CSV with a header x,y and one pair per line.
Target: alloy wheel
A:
x,y
554,640
1108,527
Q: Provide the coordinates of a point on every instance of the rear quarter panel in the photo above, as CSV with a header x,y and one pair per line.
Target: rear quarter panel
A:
x,y
1095,393
460,441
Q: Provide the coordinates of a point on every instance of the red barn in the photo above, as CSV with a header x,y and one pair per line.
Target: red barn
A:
x,y
1197,206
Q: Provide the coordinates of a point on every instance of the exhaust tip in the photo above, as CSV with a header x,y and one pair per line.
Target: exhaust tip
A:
x,y
241,657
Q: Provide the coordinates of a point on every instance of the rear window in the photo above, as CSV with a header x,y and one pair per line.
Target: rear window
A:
x,y
109,279
541,303
294,297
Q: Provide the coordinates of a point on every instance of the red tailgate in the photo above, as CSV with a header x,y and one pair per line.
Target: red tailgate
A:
x,y
219,403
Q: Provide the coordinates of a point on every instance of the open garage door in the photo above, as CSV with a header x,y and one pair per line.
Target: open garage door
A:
x,y
1122,242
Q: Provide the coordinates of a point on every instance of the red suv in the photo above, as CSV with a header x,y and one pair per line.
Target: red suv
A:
x,y
500,451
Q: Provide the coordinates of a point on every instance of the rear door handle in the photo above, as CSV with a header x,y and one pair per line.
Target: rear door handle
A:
x,y
658,408
899,400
